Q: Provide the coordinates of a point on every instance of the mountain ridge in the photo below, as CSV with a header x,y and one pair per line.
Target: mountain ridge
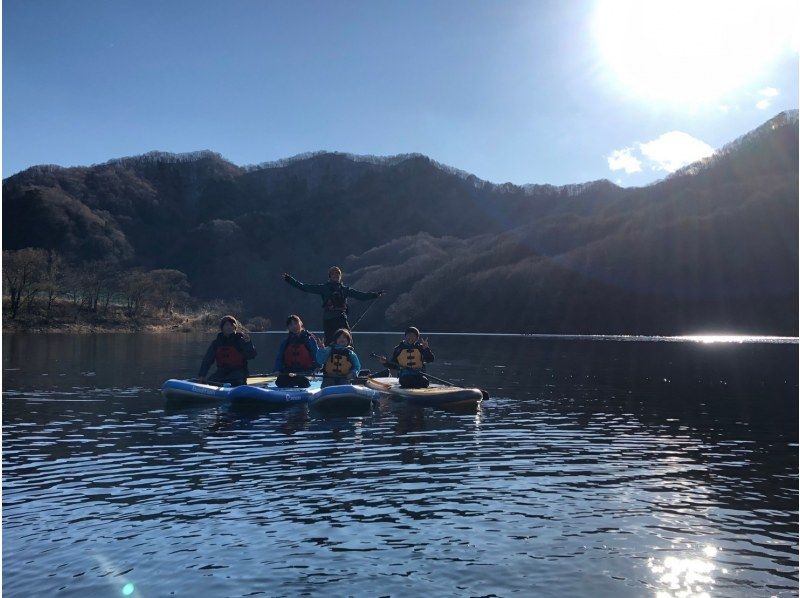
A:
x,y
688,238
161,156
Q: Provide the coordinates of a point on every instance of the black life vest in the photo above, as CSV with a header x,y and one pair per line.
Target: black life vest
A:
x,y
229,357
296,354
336,301
410,358
338,364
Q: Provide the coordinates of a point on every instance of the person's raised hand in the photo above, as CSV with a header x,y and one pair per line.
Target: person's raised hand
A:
x,y
424,343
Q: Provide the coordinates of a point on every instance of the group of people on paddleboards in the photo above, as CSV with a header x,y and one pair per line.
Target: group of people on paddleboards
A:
x,y
301,353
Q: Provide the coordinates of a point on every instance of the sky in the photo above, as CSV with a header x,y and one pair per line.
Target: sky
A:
x,y
526,92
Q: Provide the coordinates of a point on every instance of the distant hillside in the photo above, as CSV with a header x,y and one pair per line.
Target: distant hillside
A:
x,y
714,246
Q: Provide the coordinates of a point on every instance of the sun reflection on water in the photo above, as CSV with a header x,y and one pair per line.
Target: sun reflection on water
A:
x,y
731,338
685,577
717,338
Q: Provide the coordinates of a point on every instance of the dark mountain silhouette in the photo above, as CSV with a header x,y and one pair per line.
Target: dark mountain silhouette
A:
x,y
711,247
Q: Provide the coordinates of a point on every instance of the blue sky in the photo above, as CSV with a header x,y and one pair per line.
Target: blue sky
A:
x,y
527,92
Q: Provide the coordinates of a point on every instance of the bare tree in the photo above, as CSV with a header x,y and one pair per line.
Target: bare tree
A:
x,y
23,273
169,287
71,284
53,279
98,279
135,287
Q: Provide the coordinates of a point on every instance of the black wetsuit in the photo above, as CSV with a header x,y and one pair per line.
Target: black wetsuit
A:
x,y
334,303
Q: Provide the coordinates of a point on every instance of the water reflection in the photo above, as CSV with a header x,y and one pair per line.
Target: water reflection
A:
x,y
733,338
596,469
684,577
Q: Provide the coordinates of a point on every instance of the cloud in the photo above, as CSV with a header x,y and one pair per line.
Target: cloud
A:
x,y
624,160
675,149
665,153
766,101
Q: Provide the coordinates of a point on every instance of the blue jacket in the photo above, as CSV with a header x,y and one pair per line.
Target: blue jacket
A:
x,y
325,352
311,344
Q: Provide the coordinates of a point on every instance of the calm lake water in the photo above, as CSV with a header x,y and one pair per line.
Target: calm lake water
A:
x,y
598,468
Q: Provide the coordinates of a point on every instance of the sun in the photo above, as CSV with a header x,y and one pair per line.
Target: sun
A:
x,y
691,51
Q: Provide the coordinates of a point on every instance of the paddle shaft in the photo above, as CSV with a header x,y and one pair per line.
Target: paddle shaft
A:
x,y
364,313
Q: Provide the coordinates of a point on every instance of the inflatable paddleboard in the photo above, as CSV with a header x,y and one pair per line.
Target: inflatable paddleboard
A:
x,y
186,390
269,393
433,396
191,390
344,396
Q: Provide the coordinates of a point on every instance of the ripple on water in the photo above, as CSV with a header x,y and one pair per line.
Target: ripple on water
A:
x,y
551,489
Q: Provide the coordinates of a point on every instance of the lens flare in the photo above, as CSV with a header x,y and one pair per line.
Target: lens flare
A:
x,y
692,51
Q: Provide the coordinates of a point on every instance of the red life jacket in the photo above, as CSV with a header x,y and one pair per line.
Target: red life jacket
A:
x,y
296,354
229,358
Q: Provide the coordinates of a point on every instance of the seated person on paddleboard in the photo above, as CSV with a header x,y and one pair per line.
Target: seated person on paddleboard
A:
x,y
340,364
297,356
410,357
334,300
230,351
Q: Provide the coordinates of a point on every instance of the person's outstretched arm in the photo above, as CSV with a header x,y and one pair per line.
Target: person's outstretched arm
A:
x,y
306,288
361,295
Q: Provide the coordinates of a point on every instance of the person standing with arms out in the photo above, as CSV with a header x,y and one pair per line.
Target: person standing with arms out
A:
x,y
334,300
230,351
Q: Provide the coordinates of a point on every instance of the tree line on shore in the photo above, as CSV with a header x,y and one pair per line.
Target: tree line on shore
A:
x,y
36,281
34,276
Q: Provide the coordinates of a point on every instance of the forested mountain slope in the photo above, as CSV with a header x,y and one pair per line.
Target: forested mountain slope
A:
x,y
712,247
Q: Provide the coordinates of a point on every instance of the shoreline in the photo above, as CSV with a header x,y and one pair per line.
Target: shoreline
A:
x,y
185,328
74,320
64,317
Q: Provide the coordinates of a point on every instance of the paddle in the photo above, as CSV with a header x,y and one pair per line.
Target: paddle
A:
x,y
364,313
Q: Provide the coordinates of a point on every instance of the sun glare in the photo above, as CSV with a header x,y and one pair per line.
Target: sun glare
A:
x,y
691,51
